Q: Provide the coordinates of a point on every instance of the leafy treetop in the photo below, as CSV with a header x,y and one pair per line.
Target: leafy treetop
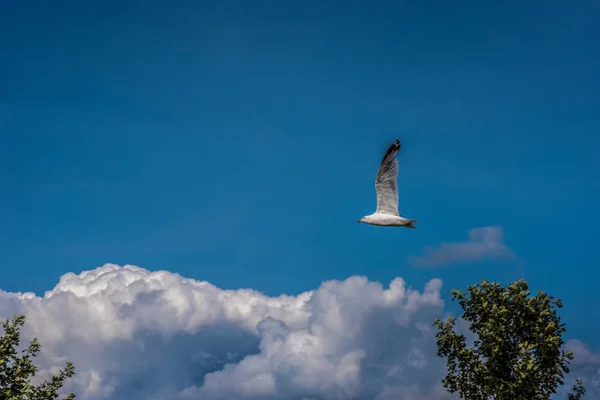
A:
x,y
517,352
17,369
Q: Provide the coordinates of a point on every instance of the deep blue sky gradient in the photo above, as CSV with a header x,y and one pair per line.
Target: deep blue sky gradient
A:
x,y
237,142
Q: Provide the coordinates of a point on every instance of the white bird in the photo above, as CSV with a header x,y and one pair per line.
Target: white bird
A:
x,y
387,193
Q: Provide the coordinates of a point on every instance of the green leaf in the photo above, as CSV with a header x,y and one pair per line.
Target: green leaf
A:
x,y
16,370
517,352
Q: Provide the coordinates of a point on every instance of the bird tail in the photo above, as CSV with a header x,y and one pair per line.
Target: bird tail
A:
x,y
410,224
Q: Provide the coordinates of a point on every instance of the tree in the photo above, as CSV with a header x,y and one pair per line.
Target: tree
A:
x,y
517,350
16,369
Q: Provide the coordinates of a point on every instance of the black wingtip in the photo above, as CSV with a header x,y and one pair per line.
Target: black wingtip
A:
x,y
395,147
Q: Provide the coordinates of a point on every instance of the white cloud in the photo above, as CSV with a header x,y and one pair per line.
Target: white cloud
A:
x,y
158,336
582,353
585,366
483,243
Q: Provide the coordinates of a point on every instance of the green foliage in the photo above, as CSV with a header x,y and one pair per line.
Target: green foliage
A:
x,y
517,353
16,369
578,391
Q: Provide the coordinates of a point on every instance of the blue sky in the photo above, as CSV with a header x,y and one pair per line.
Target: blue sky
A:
x,y
238,143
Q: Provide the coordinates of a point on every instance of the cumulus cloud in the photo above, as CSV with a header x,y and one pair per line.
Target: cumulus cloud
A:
x,y
483,243
582,353
133,333
585,366
138,334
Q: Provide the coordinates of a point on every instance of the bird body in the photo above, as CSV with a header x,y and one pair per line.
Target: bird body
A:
x,y
381,219
386,188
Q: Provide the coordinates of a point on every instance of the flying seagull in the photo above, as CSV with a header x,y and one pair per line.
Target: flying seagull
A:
x,y
387,193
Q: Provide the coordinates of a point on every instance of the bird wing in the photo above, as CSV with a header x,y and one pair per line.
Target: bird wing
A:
x,y
385,184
